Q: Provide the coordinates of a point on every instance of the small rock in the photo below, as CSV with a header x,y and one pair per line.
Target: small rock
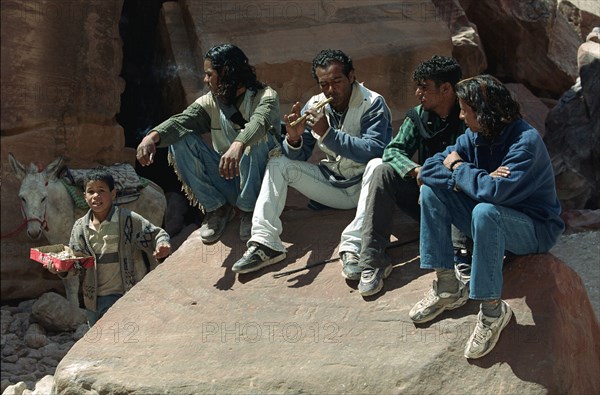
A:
x,y
11,358
35,337
55,313
19,324
45,386
15,389
81,331
5,320
34,354
25,306
9,367
26,364
4,385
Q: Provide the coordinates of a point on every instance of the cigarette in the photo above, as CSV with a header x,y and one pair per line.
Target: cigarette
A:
x,y
320,104
150,157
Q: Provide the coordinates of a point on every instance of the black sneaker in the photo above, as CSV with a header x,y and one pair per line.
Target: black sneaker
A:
x,y
371,280
214,224
462,266
256,257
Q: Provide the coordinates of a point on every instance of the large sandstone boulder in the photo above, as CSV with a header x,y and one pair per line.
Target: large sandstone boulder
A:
x,y
199,328
466,43
527,41
533,109
584,15
386,40
573,133
61,89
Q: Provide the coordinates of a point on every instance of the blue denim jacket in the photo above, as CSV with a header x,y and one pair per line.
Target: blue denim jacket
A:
x,y
530,188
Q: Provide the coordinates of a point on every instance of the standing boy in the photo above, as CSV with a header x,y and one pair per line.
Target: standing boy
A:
x,y
116,238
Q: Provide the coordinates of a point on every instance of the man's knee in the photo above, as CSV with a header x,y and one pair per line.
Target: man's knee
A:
x,y
276,164
383,174
485,213
289,169
427,194
372,165
188,145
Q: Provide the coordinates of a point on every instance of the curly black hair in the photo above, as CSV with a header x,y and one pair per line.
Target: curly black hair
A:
x,y
99,175
491,101
234,71
327,56
439,69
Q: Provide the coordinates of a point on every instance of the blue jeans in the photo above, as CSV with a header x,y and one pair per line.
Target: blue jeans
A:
x,y
103,303
197,164
494,230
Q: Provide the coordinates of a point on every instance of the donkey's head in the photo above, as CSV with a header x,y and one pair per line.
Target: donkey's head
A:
x,y
34,192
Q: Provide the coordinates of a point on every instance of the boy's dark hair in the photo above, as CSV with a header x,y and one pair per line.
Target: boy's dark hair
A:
x,y
491,100
327,56
439,69
234,71
99,175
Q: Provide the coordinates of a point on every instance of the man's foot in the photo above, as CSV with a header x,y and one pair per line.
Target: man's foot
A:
x,y
462,266
371,280
214,223
434,303
245,225
486,333
350,268
256,257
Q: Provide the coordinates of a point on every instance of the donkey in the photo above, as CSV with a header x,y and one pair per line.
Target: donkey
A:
x,y
50,211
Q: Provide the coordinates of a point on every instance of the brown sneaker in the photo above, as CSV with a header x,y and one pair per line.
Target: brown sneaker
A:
x,y
214,223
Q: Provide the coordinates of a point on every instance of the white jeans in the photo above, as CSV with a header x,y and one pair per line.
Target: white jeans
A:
x,y
351,239
307,179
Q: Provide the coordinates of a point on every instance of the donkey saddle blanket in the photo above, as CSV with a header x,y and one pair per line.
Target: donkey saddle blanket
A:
x,y
127,182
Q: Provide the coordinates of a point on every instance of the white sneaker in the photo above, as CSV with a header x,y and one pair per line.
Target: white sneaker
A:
x,y
434,303
486,333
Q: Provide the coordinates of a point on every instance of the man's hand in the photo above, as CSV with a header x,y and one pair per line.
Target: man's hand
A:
x,y
416,173
451,158
229,165
147,149
501,171
294,132
317,120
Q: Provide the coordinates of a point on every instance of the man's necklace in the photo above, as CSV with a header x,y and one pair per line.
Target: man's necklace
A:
x,y
338,116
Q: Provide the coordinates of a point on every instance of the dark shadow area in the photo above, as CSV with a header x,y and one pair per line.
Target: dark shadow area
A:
x,y
552,339
532,341
302,240
311,245
149,97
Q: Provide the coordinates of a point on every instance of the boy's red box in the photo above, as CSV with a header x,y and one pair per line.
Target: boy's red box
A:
x,y
68,258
